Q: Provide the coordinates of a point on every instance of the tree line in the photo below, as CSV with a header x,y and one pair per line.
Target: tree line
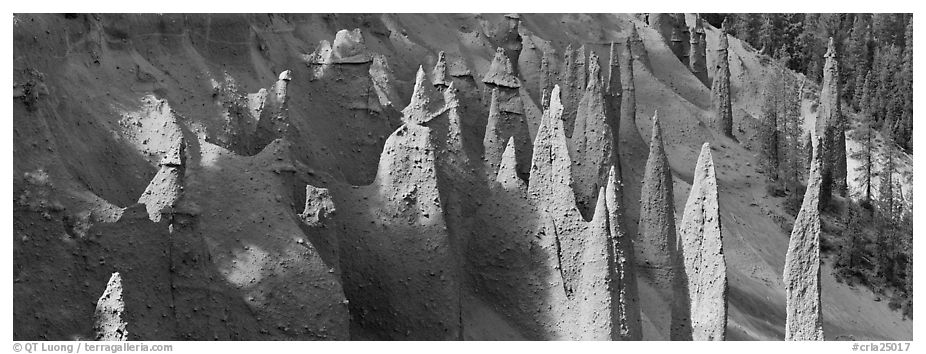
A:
x,y
873,242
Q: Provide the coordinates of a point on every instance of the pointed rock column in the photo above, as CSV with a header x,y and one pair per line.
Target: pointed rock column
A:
x,y
697,57
108,323
167,185
625,295
802,262
684,38
572,84
450,71
510,40
591,145
830,127
701,250
507,118
664,24
612,89
657,241
274,117
721,107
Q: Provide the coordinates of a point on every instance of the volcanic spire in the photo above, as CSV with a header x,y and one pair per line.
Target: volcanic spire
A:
x,y
701,249
721,106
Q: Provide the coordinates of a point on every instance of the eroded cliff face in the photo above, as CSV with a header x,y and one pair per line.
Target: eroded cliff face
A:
x,y
721,106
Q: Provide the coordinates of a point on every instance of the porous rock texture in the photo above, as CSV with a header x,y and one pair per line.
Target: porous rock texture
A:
x,y
831,127
705,269
591,147
572,84
656,241
273,121
506,117
624,288
108,323
721,106
802,262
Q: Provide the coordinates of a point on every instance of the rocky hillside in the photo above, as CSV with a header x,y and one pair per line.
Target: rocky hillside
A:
x,y
408,177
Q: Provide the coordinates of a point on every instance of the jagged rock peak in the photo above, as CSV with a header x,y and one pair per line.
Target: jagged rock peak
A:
x,y
721,105
108,323
318,206
501,73
830,126
507,170
422,107
440,76
802,262
702,249
626,298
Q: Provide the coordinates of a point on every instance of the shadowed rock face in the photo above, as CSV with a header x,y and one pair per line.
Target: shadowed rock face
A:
x,y
831,127
625,296
506,117
501,72
591,146
721,107
697,57
108,322
509,39
802,262
638,50
401,249
701,248
613,92
657,241
572,84
580,253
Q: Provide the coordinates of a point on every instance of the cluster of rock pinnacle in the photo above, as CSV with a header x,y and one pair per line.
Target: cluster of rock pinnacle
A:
x,y
534,223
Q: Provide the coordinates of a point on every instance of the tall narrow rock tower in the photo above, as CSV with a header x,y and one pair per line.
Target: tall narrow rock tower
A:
x,y
802,262
656,229
697,57
721,107
831,128
701,248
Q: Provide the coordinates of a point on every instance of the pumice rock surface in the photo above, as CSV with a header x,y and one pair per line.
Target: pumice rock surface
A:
x,y
414,176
